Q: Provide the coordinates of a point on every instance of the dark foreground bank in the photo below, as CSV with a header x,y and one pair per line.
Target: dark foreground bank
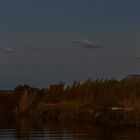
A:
x,y
98,101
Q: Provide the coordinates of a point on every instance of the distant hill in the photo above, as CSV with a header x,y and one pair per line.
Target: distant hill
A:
x,y
5,91
132,76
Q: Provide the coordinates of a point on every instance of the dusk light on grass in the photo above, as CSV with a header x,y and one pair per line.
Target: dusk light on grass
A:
x,y
69,61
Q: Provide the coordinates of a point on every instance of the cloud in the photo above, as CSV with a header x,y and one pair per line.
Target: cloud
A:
x,y
6,50
86,43
4,63
136,58
34,47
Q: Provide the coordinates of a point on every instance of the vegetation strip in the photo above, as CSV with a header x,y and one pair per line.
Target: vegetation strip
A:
x,y
98,101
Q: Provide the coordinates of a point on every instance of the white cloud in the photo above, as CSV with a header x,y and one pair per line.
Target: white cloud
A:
x,y
6,50
86,43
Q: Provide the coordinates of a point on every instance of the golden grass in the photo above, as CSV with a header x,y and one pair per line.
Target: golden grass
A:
x,y
90,100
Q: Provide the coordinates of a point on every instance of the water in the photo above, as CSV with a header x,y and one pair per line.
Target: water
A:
x,y
11,134
12,128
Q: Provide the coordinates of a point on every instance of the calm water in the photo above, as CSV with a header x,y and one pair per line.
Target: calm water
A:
x,y
31,129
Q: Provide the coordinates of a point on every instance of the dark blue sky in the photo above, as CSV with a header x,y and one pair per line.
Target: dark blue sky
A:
x,y
37,40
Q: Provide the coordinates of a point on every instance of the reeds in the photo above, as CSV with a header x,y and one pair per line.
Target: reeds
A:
x,y
92,99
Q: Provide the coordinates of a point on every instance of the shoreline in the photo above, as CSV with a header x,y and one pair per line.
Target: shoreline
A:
x,y
109,102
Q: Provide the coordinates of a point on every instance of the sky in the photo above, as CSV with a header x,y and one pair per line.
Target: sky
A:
x,y
49,41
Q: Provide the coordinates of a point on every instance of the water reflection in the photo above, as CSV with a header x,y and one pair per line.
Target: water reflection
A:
x,y
25,128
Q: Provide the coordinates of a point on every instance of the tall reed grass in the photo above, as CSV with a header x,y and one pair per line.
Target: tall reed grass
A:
x,y
94,99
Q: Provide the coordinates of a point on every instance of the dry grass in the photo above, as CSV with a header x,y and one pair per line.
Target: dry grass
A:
x,y
25,103
91,100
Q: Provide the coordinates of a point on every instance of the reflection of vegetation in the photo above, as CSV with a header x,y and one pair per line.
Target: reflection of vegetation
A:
x,y
106,101
28,128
